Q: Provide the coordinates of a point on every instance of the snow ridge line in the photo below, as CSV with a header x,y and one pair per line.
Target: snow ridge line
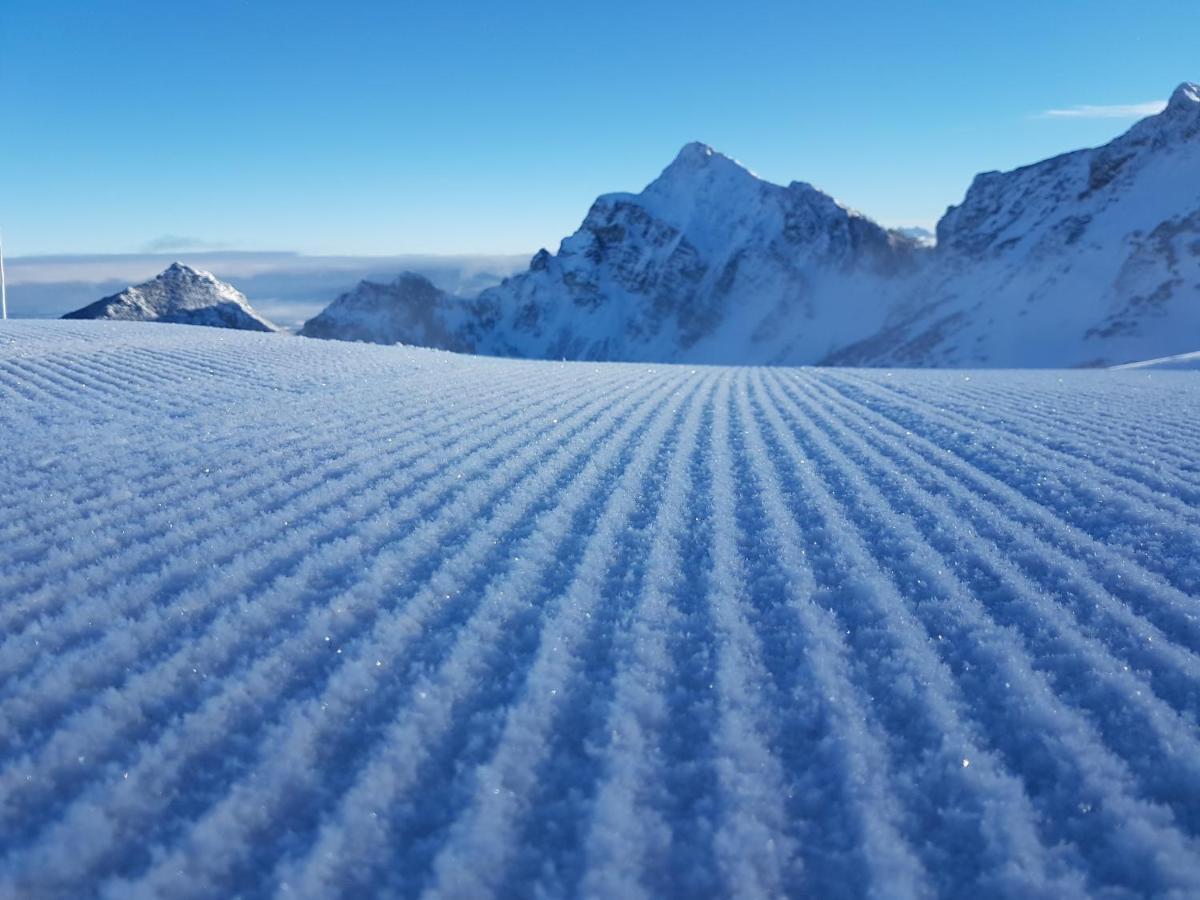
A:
x,y
926,717
755,854
305,465
166,616
1145,482
627,839
1077,434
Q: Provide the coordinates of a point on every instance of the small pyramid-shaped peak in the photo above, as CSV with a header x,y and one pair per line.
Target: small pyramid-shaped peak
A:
x,y
179,294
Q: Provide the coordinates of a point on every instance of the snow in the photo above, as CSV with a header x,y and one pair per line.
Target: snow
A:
x,y
1091,258
1088,259
281,616
180,295
708,264
403,310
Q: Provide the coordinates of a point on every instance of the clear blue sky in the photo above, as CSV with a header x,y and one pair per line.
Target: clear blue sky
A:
x,y
391,127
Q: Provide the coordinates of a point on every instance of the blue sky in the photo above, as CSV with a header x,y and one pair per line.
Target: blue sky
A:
x,y
372,128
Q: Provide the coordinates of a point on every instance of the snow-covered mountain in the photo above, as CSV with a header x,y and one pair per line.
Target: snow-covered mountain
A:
x,y
408,310
182,295
708,263
1089,258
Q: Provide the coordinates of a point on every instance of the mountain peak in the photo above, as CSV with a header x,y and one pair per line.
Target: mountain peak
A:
x,y
696,157
412,279
698,175
179,294
177,271
409,309
695,151
1185,97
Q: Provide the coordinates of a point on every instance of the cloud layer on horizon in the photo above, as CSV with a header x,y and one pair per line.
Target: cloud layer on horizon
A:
x,y
1113,111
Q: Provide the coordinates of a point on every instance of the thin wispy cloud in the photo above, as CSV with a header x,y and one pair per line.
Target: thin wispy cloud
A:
x,y
169,243
1115,111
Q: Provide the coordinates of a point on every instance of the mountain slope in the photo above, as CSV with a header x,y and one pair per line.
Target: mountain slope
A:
x,y
1089,258
181,295
476,627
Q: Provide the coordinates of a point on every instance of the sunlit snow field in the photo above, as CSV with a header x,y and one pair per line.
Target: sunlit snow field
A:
x,y
317,619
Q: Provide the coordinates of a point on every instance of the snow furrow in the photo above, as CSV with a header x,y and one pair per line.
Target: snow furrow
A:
x,y
627,837
399,483
314,638
1145,593
1075,429
1042,567
755,853
293,473
924,716
1107,507
477,857
347,838
1124,706
293,618
1079,472
974,648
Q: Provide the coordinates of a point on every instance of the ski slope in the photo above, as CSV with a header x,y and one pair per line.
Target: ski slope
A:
x,y
284,617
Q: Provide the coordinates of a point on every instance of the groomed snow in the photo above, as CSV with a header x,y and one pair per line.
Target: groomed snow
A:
x,y
318,619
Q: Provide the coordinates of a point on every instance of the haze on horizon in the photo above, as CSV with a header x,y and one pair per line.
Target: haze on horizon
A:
x,y
375,130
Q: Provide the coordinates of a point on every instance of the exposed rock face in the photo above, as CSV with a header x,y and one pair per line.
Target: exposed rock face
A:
x,y
182,295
